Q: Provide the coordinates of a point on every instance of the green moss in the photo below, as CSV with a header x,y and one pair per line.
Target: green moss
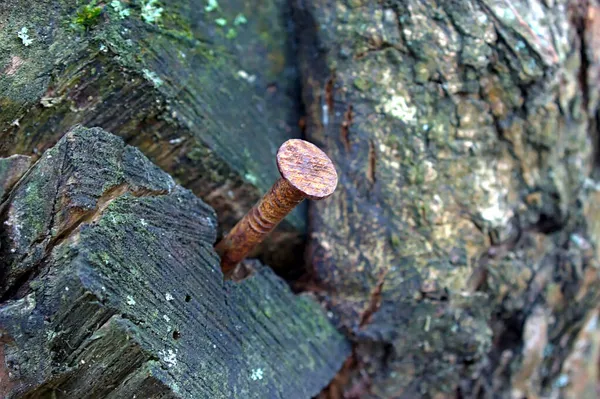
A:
x,y
88,16
231,33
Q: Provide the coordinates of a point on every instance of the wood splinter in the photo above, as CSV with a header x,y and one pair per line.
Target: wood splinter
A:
x,y
306,172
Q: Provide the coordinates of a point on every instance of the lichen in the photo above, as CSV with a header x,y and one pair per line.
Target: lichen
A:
x,y
24,36
152,77
151,11
256,374
240,19
211,6
122,11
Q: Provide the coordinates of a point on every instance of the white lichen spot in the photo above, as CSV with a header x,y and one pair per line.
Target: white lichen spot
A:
x,y
240,19
151,12
130,300
120,9
257,374
143,222
167,318
494,214
562,381
169,357
169,297
580,241
493,208
244,75
399,108
103,48
22,306
152,77
67,289
250,178
24,36
430,174
211,6
591,184
325,111
50,335
49,102
591,325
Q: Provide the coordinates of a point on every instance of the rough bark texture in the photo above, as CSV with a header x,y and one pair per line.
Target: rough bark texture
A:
x,y
206,93
111,289
457,252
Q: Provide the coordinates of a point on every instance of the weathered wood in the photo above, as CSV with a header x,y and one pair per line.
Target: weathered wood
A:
x,y
461,134
112,289
11,170
210,104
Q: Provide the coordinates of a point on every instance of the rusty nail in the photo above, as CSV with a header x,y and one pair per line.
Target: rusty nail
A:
x,y
306,172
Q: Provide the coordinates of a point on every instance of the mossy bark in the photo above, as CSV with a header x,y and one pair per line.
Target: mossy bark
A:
x,y
464,133
111,289
206,93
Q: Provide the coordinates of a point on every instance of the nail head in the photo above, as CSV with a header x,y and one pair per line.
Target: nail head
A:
x,y
307,168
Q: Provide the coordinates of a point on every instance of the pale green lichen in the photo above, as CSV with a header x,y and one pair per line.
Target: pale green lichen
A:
x,y
250,178
257,374
120,9
152,77
212,5
221,21
169,357
24,36
240,19
151,12
398,107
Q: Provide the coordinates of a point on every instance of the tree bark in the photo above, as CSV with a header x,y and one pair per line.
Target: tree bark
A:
x,y
458,251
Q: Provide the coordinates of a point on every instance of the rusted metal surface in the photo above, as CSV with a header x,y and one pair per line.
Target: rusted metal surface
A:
x,y
306,172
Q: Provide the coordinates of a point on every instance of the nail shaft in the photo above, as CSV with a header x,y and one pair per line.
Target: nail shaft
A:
x,y
306,173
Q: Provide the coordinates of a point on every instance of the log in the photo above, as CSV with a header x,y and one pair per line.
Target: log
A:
x,y
458,251
111,289
207,93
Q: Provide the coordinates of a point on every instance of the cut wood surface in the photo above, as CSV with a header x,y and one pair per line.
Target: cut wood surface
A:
x,y
111,289
463,133
206,92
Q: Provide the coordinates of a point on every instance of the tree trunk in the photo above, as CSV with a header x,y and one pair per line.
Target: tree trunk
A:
x,y
111,289
458,251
